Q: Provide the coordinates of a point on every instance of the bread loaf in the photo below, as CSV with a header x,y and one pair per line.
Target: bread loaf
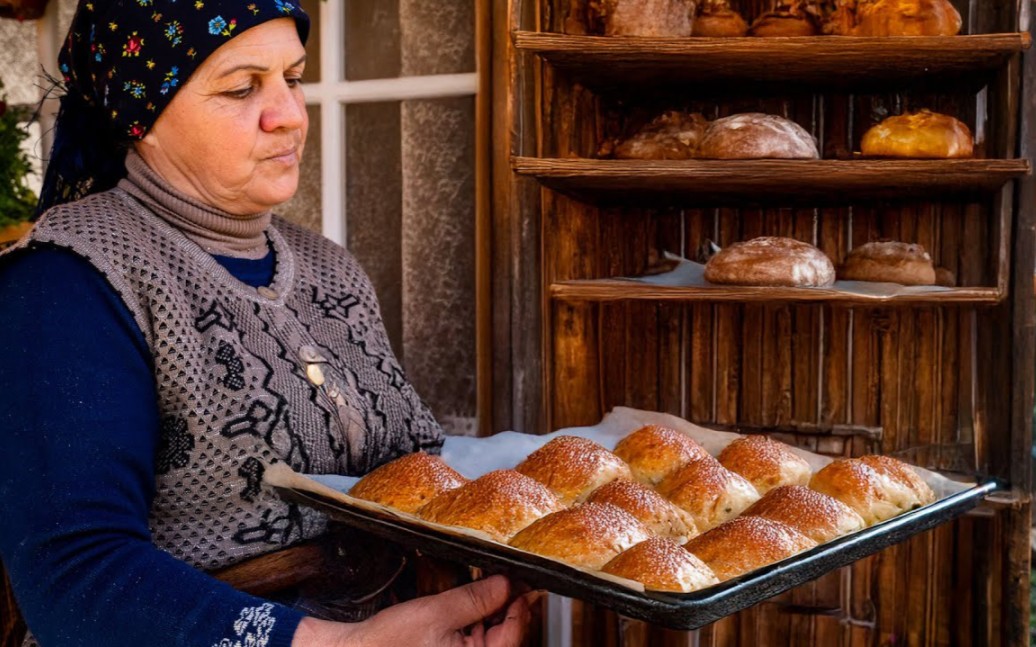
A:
x,y
817,516
920,135
673,135
890,262
716,19
661,565
709,492
589,535
653,510
744,544
906,18
878,488
642,17
408,483
771,261
754,135
653,451
572,467
789,19
765,462
499,503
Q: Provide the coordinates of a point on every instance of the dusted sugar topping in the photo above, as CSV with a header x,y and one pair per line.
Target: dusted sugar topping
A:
x,y
773,261
816,515
649,507
653,451
587,535
662,565
902,473
765,462
572,467
409,482
745,544
708,492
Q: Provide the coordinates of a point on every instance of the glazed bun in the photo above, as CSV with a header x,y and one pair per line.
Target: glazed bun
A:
x,y
889,262
717,20
588,535
815,515
771,261
876,489
787,21
653,510
673,135
661,565
653,451
765,462
744,544
499,504
754,135
709,492
572,467
920,135
906,18
408,483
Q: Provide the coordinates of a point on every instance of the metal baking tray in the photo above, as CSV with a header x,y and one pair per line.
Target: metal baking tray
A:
x,y
671,610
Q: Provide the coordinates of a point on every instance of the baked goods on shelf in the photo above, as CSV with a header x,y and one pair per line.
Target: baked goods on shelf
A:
x,y
787,19
708,491
876,487
662,565
572,467
408,483
673,135
814,514
905,18
499,503
920,135
641,17
771,261
589,535
755,135
744,544
653,451
649,507
765,462
716,19
889,262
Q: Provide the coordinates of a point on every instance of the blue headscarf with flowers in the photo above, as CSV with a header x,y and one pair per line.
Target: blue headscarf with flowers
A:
x,y
122,63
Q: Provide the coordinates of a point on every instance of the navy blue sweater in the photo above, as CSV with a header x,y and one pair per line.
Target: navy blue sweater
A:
x,y
78,436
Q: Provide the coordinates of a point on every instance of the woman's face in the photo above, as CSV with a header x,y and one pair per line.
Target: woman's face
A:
x,y
233,135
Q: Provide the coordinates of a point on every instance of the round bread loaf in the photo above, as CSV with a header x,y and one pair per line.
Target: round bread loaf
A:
x,y
874,495
661,565
644,17
572,467
673,135
783,22
588,535
744,544
653,451
709,492
765,462
771,261
408,483
817,516
906,18
754,135
920,135
717,20
499,504
649,507
900,472
889,262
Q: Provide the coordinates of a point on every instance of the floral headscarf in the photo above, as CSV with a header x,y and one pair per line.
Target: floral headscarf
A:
x,y
122,63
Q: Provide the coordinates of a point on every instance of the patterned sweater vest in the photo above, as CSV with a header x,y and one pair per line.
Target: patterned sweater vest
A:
x,y
300,371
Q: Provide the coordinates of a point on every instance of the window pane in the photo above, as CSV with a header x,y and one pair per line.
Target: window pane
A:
x,y
305,208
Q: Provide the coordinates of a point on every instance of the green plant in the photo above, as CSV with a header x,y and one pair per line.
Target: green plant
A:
x,y
17,200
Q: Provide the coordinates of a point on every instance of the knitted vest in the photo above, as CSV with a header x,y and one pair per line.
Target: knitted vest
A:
x,y
300,372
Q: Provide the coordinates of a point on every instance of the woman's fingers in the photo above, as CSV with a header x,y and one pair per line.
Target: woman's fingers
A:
x,y
511,631
465,605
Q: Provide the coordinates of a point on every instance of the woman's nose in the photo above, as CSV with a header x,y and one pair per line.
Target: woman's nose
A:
x,y
285,108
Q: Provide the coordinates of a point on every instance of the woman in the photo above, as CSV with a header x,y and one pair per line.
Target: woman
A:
x,y
174,338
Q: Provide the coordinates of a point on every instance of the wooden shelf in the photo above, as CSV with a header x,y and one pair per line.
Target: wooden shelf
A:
x,y
626,290
832,61
747,182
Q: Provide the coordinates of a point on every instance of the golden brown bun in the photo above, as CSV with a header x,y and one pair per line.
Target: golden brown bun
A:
x,y
643,17
499,503
588,535
773,261
708,491
817,516
765,462
662,565
889,262
897,470
408,483
673,135
649,507
573,467
783,23
876,489
906,18
653,451
744,544
920,135
754,135
717,20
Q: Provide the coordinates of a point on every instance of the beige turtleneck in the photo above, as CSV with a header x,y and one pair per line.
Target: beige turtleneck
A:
x,y
216,231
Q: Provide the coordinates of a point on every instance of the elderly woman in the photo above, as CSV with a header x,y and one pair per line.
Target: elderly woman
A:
x,y
168,337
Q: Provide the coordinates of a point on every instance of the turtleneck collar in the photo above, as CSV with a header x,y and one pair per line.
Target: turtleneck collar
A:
x,y
216,231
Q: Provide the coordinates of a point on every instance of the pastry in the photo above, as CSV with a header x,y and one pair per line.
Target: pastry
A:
x,y
788,19
642,17
408,483
716,19
765,462
889,262
906,18
744,544
754,135
876,489
673,135
816,515
654,451
588,535
572,467
656,512
919,135
661,565
709,492
771,261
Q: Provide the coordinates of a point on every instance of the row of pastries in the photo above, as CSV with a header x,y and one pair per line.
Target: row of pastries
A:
x,y
659,509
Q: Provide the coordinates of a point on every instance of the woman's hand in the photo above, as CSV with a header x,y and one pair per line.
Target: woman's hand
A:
x,y
451,619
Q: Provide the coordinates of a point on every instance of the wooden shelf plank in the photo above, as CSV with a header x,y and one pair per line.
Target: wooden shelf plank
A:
x,y
626,290
735,182
834,61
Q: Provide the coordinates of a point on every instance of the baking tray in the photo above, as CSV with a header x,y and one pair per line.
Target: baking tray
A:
x,y
675,611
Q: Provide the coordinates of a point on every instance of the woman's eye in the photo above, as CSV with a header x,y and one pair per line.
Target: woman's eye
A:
x,y
240,93
294,82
